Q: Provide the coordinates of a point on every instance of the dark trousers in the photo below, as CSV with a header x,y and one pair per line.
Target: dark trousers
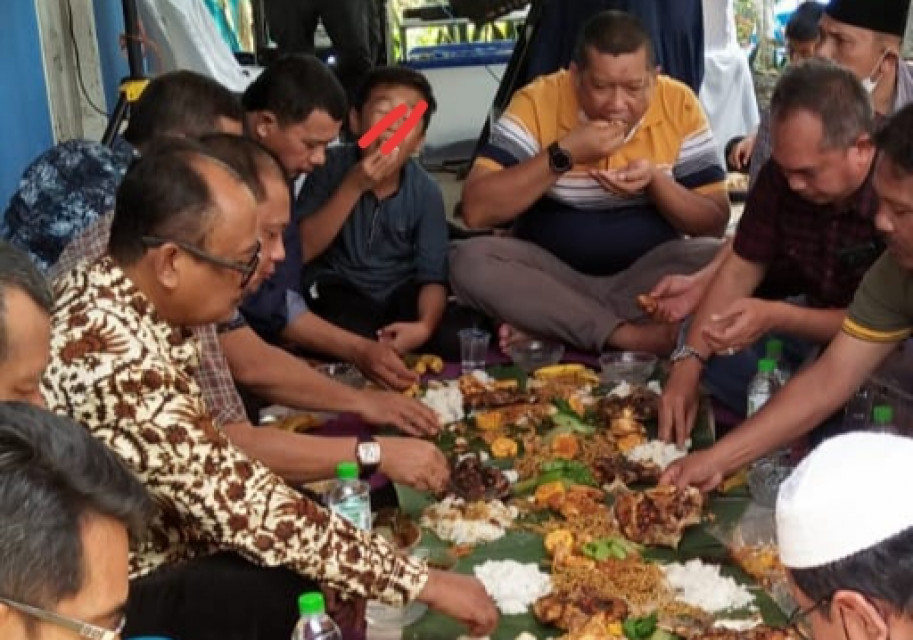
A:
x,y
218,597
352,26
341,304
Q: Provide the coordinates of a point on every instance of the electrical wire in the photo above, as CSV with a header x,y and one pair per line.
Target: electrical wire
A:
x,y
82,85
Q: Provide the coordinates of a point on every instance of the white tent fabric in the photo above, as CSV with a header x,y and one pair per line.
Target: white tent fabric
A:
x,y
186,37
727,92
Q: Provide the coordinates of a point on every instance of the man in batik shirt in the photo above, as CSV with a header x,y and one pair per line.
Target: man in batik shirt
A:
x,y
184,244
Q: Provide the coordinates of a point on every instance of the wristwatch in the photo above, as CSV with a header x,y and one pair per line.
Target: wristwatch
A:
x,y
559,160
367,454
684,352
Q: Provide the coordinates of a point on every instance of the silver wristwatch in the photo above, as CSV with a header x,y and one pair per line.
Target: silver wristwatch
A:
x,y
684,352
367,453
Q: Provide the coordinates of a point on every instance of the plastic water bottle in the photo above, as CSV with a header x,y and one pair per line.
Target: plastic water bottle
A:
x,y
351,498
858,410
314,623
774,351
883,419
762,386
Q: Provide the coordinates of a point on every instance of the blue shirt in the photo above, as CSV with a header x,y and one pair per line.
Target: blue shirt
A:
x,y
383,244
62,192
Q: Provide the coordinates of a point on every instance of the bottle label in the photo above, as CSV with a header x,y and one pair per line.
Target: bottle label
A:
x,y
755,402
356,510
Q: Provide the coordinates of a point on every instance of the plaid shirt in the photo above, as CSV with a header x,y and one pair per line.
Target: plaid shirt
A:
x,y
213,376
801,243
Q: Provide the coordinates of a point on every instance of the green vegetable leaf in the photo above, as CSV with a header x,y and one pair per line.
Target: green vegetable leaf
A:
x,y
639,628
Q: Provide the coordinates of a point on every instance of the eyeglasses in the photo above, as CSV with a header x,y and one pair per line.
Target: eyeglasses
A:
x,y
246,269
82,629
799,618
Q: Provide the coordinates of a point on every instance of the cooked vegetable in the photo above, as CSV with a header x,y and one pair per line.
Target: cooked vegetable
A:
x,y
639,628
489,420
504,448
549,493
559,539
565,446
605,548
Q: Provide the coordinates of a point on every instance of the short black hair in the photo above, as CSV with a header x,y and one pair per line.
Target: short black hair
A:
x,y
17,271
180,103
803,23
398,77
53,477
830,92
163,194
882,572
614,33
895,139
251,160
295,86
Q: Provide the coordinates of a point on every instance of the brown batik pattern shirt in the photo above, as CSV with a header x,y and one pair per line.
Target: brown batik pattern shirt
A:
x,y
128,376
213,374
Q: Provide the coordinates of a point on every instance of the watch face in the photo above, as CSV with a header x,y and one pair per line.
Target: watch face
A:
x,y
368,453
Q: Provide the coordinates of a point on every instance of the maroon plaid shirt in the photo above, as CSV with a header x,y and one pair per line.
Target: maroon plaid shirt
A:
x,y
804,245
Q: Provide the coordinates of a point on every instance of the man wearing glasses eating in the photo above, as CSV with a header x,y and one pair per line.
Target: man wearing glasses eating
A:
x,y
845,533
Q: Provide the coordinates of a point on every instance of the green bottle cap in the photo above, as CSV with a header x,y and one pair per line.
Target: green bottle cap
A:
x,y
347,471
883,414
311,604
766,365
774,348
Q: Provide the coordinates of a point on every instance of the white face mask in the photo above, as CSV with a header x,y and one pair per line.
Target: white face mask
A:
x,y
868,83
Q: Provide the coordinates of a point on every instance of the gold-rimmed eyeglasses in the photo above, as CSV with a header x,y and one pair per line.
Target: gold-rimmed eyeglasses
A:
x,y
82,629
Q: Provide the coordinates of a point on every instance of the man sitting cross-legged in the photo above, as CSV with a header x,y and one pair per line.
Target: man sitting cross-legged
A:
x,y
601,171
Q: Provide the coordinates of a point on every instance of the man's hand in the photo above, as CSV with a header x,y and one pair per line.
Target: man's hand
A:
x,y
405,336
414,462
699,469
740,154
462,598
739,326
676,297
679,402
391,408
593,141
628,181
381,363
374,169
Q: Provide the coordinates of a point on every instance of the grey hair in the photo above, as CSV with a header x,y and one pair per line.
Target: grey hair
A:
x,y
17,271
830,92
54,476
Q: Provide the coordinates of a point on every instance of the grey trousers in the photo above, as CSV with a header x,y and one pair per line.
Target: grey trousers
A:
x,y
527,287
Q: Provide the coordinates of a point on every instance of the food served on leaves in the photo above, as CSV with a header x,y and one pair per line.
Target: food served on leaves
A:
x,y
397,527
468,523
618,469
658,516
639,404
761,562
760,632
570,611
424,363
471,480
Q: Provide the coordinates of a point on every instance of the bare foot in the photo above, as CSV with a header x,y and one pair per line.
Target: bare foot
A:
x,y
508,335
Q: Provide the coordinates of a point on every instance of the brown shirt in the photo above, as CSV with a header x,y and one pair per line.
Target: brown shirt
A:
x,y
128,376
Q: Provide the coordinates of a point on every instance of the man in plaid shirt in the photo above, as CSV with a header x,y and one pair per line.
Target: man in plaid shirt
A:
x,y
807,231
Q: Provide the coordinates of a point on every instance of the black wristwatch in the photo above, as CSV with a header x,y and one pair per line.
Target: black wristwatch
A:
x,y
559,160
367,454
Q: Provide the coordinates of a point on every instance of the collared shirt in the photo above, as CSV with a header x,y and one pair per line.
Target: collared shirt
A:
x,y
801,243
383,244
882,309
61,193
579,221
213,375
127,375
673,132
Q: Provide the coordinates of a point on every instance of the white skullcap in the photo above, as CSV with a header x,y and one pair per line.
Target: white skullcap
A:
x,y
849,494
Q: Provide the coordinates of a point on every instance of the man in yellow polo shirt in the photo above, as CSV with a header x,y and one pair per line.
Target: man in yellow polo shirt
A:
x,y
879,318
601,171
